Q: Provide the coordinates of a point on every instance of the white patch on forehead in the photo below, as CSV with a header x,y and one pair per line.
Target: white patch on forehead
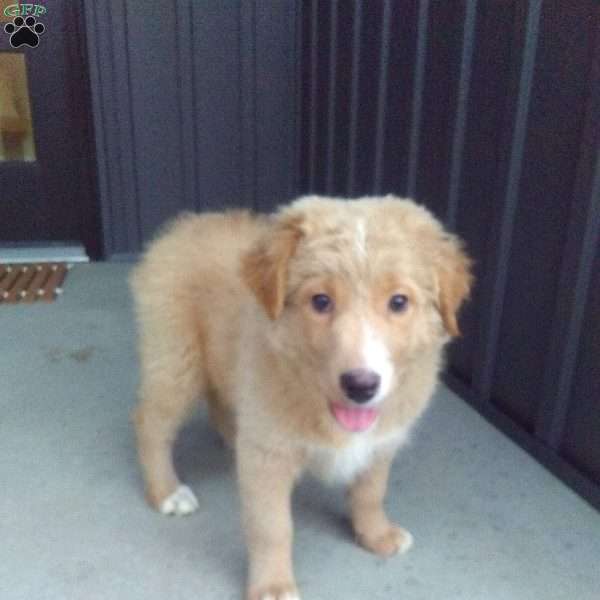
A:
x,y
377,358
361,238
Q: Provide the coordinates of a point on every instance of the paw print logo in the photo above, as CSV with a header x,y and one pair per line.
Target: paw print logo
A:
x,y
24,32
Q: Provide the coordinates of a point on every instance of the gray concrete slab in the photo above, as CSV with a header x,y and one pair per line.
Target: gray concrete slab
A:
x,y
489,522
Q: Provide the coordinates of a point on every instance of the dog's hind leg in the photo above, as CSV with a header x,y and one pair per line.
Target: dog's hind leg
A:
x,y
171,382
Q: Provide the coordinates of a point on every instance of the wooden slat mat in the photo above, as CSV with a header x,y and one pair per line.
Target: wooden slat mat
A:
x,y
26,283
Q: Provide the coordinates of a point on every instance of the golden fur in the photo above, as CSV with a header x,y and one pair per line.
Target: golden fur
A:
x,y
225,314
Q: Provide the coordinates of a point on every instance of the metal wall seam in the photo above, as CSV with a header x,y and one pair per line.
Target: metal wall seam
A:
x,y
332,97
417,99
460,122
382,96
485,370
583,238
354,97
314,90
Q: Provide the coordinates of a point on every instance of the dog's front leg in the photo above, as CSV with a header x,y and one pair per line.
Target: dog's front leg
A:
x,y
372,528
266,479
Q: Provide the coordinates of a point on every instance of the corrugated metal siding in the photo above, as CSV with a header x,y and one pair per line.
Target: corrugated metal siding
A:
x,y
488,113
194,107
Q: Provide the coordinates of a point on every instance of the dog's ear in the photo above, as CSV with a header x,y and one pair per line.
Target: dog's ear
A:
x,y
264,267
454,281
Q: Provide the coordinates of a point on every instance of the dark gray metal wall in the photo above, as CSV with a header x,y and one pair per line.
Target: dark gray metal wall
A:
x,y
194,105
489,113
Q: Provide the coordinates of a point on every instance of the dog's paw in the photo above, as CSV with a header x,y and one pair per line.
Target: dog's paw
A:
x,y
275,592
181,502
394,540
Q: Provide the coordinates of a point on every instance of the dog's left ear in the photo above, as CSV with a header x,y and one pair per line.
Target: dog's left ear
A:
x,y
264,267
454,281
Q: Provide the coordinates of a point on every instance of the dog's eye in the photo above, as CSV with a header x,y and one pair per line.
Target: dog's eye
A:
x,y
398,303
322,303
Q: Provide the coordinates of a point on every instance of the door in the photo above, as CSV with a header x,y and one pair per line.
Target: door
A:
x,y
47,189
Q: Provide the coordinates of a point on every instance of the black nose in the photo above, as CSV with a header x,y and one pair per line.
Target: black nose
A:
x,y
360,385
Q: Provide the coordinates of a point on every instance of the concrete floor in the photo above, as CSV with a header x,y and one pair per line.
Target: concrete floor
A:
x,y
489,522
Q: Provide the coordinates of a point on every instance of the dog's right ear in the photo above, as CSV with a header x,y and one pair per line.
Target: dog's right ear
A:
x,y
454,279
264,267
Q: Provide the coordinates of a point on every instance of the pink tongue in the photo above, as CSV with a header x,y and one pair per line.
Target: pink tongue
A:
x,y
354,419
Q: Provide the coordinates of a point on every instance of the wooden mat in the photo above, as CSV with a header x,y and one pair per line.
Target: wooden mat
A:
x,y
26,283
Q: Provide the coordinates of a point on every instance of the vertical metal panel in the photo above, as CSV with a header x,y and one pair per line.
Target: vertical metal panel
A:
x,y
589,242
490,88
369,80
305,85
415,129
155,129
99,106
400,72
483,379
314,82
354,98
186,83
461,111
333,49
440,90
386,27
126,215
580,444
576,275
217,103
343,97
247,85
194,108
545,201
275,27
298,97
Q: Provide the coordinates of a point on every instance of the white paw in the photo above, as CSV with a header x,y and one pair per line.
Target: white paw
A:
x,y
181,502
275,592
407,542
392,541
284,596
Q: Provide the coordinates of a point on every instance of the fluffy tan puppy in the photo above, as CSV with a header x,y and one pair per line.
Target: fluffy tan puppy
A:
x,y
315,336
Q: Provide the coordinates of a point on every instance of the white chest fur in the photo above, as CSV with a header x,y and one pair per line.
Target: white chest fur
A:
x,y
343,465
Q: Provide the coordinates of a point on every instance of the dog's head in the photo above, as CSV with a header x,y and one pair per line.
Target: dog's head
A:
x,y
356,291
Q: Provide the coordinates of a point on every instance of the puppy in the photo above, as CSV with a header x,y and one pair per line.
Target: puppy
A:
x,y
315,336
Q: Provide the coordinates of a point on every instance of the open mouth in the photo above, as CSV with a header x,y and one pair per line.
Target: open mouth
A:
x,y
354,418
